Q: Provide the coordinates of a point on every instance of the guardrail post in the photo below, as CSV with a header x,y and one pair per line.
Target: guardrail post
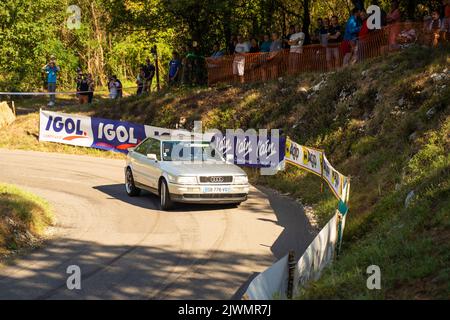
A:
x,y
291,269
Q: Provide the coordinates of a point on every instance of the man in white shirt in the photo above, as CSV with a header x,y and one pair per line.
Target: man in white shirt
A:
x,y
296,42
239,58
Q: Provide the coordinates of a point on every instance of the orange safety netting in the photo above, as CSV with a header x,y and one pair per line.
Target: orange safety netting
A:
x,y
253,67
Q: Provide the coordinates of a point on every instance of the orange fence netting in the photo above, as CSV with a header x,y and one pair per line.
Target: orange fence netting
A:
x,y
252,67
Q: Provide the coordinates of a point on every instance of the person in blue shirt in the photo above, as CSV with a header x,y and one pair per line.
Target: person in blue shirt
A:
x,y
174,68
52,70
352,29
265,45
217,53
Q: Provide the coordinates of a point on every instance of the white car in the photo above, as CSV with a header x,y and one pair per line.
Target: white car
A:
x,y
195,175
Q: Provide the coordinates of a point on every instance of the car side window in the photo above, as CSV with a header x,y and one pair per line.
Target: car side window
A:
x,y
143,147
154,146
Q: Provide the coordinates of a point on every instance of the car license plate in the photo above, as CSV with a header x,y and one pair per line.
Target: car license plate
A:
x,y
216,189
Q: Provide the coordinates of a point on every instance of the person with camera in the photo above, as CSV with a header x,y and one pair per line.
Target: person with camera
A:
x,y
51,70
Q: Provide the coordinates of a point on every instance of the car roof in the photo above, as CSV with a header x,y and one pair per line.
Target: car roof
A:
x,y
180,138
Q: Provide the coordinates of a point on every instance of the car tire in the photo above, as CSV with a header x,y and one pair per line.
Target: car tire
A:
x,y
130,187
164,196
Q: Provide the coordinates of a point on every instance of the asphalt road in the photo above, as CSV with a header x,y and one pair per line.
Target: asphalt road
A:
x,y
128,249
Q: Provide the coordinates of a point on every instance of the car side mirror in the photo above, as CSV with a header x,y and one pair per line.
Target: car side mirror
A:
x,y
152,156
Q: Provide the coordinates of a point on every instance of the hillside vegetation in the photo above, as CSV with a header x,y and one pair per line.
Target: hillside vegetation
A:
x,y
23,219
386,124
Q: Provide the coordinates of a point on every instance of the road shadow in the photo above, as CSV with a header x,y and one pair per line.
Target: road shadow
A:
x,y
126,272
297,231
148,200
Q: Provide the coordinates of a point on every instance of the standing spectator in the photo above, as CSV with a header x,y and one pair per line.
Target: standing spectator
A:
x,y
52,70
265,45
315,38
296,41
119,87
240,50
362,35
324,32
91,84
274,57
140,81
83,97
288,37
352,29
174,68
334,38
435,26
78,80
393,19
254,48
149,70
112,86
446,20
217,53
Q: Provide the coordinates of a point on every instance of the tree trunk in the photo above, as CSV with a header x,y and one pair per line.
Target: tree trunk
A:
x,y
306,21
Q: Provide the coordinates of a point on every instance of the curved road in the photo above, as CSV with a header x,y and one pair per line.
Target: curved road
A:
x,y
128,249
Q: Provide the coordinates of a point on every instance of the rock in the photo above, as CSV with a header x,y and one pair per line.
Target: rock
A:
x,y
430,113
365,73
437,77
6,115
318,86
409,198
412,137
401,102
303,89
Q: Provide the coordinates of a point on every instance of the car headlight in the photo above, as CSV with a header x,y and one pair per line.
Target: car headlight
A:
x,y
240,179
186,180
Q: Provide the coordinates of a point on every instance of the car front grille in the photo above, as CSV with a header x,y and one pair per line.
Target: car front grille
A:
x,y
215,196
216,179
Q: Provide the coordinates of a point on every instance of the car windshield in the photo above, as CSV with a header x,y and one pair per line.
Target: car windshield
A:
x,y
188,151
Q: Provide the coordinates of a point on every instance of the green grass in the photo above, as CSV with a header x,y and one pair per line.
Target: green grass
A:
x,y
23,219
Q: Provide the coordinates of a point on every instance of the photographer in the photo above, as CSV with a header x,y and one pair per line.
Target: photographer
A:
x,y
52,70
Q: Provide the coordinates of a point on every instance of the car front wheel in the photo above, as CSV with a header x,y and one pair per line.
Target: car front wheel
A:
x,y
130,187
166,203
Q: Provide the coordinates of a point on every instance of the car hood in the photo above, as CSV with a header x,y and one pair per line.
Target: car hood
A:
x,y
204,168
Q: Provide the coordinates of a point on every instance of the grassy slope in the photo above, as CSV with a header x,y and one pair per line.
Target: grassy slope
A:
x,y
23,219
372,121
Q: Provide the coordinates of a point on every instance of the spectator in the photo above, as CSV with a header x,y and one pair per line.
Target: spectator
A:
x,y
362,35
324,32
217,53
265,45
239,59
83,97
435,26
288,37
350,36
119,87
52,70
315,38
140,81
334,37
393,19
91,88
149,70
112,86
274,55
296,41
174,68
446,21
276,44
78,80
254,48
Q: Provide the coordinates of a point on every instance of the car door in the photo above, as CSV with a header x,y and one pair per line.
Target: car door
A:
x,y
137,158
151,168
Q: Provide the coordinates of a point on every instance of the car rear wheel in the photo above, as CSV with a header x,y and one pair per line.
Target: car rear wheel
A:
x,y
130,187
166,203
